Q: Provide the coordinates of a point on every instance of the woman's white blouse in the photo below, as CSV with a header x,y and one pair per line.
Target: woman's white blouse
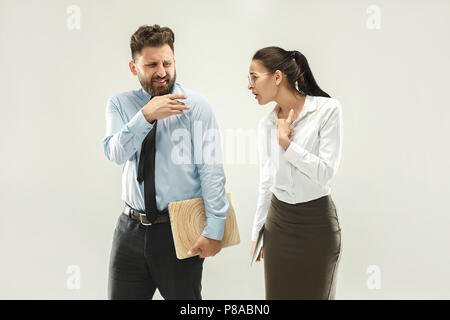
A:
x,y
303,172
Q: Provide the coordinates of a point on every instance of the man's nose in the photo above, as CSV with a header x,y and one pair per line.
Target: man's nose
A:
x,y
161,72
250,86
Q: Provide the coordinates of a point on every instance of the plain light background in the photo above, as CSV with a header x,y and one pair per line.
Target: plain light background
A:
x,y
60,196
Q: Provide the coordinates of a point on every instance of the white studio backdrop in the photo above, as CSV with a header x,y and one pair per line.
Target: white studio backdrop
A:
x,y
385,61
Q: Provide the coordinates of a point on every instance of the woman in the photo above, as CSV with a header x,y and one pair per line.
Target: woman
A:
x,y
300,145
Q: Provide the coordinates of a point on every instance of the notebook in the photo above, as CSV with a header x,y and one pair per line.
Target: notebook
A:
x,y
258,246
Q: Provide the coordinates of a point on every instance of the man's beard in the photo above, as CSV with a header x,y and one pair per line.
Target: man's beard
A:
x,y
158,90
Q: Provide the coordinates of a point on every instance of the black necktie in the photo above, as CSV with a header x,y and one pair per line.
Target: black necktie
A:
x,y
146,173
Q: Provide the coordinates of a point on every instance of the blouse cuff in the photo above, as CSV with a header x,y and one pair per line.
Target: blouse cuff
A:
x,y
294,152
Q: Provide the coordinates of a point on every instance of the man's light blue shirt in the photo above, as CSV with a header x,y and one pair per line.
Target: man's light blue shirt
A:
x,y
126,128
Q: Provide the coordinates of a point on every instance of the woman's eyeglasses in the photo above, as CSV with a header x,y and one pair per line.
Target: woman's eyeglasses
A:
x,y
253,76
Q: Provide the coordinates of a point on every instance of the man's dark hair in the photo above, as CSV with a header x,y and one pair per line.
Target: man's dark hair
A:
x,y
153,36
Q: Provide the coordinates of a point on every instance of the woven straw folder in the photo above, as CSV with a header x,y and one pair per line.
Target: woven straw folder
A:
x,y
188,218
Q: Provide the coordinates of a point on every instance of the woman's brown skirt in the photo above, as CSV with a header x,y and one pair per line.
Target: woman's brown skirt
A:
x,y
302,246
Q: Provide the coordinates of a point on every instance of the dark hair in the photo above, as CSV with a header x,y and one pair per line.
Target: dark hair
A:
x,y
153,36
294,65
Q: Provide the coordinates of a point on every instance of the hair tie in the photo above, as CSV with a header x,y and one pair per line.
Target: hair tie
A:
x,y
292,54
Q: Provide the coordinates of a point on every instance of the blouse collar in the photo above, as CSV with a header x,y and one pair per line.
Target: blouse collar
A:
x,y
309,106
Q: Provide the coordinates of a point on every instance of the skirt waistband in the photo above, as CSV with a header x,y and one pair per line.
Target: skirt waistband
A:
x,y
316,214
325,202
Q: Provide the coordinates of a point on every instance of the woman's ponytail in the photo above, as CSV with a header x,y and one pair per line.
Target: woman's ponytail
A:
x,y
305,79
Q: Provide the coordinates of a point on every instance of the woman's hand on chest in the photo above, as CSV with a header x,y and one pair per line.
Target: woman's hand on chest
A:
x,y
285,130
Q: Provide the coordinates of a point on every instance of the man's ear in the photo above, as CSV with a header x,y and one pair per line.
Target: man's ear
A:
x,y
278,77
132,66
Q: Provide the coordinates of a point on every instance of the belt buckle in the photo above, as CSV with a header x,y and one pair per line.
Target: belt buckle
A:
x,y
140,218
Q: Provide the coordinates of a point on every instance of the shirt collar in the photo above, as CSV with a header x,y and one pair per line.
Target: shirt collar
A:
x,y
309,106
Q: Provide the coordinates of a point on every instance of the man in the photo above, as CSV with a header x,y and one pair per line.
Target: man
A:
x,y
144,130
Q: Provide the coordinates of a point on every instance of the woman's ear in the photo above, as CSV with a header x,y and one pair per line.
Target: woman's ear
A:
x,y
278,77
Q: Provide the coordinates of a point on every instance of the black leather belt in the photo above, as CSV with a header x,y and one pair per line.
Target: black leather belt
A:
x,y
163,216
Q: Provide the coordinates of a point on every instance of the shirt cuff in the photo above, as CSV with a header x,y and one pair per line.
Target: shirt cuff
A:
x,y
138,125
294,152
255,235
214,228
